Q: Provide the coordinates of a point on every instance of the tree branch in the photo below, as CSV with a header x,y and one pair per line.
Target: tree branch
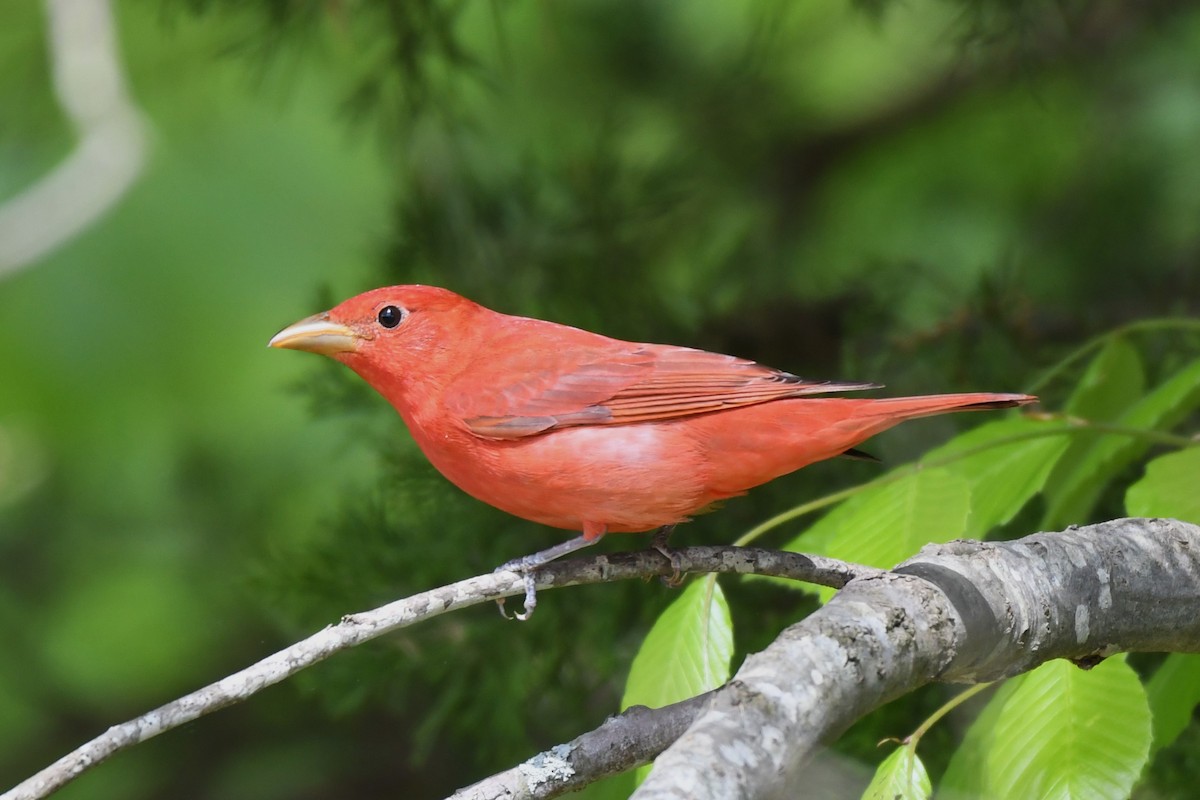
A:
x,y
90,84
623,742
963,611
355,629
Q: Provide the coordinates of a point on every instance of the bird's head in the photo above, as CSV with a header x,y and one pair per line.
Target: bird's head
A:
x,y
388,335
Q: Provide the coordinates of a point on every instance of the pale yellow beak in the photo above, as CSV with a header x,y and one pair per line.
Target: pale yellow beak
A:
x,y
317,334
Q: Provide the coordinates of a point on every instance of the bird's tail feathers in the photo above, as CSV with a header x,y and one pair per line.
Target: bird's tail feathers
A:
x,y
928,405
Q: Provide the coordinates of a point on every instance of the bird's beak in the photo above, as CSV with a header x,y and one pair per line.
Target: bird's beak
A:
x,y
317,334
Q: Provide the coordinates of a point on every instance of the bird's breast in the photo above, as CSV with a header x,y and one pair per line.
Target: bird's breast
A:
x,y
625,477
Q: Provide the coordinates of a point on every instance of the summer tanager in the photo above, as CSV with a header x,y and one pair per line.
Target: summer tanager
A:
x,y
579,431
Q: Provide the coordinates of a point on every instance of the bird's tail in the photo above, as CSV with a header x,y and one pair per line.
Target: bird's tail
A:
x,y
773,439
902,408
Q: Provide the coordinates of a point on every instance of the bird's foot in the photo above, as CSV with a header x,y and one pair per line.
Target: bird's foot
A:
x,y
526,567
661,537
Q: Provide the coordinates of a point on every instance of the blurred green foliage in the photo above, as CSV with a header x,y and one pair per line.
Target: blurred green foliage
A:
x,y
935,195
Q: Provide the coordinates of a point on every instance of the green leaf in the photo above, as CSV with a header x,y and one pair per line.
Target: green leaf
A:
x,y
901,776
1006,476
1059,732
614,787
686,652
1174,693
1169,488
1072,498
815,539
927,506
1001,478
1114,380
964,778
890,522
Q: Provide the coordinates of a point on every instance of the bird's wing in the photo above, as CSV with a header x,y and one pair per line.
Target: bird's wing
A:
x,y
616,383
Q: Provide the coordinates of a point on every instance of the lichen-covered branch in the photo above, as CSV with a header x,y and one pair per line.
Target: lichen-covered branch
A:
x,y
623,742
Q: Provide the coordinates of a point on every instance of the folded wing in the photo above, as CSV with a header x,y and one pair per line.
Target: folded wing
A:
x,y
616,383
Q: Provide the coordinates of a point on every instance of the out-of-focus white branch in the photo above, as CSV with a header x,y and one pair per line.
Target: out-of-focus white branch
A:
x,y
90,86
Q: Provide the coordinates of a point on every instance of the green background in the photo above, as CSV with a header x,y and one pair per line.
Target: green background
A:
x,y
937,196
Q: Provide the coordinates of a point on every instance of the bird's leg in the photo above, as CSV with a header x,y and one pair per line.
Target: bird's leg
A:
x,y
661,536
526,565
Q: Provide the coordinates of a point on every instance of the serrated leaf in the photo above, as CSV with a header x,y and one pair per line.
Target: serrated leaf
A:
x,y
1071,499
890,522
686,652
1002,479
901,776
1169,488
815,539
1174,693
1061,732
931,505
1005,477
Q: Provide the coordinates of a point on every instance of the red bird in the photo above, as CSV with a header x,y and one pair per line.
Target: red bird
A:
x,y
579,431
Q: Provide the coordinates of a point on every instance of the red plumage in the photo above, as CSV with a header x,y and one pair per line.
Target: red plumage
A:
x,y
580,431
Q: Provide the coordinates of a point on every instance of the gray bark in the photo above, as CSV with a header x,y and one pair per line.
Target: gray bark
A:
x,y
959,612
355,629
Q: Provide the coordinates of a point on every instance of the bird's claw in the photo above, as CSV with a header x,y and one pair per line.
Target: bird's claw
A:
x,y
660,544
527,565
530,598
500,607
525,570
673,580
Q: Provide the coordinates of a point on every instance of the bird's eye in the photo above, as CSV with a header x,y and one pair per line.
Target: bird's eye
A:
x,y
390,316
